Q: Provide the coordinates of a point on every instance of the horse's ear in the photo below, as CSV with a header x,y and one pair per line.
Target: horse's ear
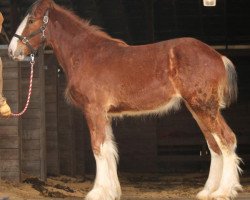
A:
x,y
42,6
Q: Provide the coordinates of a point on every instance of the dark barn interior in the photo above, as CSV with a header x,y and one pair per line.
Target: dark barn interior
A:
x,y
52,137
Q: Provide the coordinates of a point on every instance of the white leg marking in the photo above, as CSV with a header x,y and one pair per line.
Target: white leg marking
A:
x,y
214,176
107,186
229,184
14,40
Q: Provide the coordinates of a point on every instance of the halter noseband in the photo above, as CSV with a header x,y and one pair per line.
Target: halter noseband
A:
x,y
41,30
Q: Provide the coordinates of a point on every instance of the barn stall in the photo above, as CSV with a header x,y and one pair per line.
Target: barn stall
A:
x,y
52,138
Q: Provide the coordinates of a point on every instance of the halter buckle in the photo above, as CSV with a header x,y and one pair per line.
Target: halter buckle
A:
x,y
32,58
25,40
45,19
43,31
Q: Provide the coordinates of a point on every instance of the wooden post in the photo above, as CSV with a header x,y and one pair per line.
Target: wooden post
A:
x,y
42,101
51,89
33,121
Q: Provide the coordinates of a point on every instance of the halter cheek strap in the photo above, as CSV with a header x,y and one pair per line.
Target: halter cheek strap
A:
x,y
41,30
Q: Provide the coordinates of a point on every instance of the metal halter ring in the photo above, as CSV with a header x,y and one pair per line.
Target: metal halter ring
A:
x,y
45,19
25,40
32,58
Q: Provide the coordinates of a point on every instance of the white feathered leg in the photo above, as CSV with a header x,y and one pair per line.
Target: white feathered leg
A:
x,y
106,186
214,176
229,184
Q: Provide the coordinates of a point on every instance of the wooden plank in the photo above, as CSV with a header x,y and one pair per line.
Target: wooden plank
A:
x,y
43,128
8,130
14,108
9,165
29,155
25,71
51,107
51,135
29,124
33,104
11,84
11,95
10,142
51,125
32,113
35,84
7,63
36,94
10,73
31,134
32,165
32,168
31,144
51,98
9,154
13,176
183,158
51,89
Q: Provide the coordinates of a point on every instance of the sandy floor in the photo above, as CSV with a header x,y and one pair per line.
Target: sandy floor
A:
x,y
134,187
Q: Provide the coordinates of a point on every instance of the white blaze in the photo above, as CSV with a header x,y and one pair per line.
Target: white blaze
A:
x,y
14,40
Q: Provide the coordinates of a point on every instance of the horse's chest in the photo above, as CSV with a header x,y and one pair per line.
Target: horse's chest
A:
x,y
74,96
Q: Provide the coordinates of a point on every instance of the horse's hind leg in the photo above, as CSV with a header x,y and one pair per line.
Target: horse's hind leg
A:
x,y
106,186
223,179
216,165
226,140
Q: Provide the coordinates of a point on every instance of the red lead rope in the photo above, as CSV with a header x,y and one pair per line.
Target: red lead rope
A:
x,y
32,62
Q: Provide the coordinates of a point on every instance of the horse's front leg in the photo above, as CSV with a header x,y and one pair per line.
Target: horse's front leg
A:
x,y
106,186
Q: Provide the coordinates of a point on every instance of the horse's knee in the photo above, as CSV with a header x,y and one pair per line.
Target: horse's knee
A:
x,y
96,143
213,144
226,140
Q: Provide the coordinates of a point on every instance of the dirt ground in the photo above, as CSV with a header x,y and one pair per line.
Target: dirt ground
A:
x,y
134,187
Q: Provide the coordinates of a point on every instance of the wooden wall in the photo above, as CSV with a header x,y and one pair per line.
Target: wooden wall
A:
x,y
9,129
180,143
136,139
66,136
33,153
137,145
53,167
70,134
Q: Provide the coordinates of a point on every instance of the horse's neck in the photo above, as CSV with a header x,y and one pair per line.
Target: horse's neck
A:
x,y
62,32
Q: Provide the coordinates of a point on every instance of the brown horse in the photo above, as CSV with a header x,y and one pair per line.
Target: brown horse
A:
x,y
108,78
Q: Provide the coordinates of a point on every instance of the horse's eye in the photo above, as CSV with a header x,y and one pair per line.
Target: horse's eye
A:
x,y
31,21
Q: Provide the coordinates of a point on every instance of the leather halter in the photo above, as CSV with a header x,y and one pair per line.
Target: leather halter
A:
x,y
41,30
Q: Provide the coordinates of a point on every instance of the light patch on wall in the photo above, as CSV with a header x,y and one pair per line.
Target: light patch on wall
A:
x,y
209,2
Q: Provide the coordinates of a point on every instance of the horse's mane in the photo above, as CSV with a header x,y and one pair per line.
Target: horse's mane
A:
x,y
85,24
32,7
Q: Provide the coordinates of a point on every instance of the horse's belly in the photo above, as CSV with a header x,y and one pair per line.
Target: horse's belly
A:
x,y
123,109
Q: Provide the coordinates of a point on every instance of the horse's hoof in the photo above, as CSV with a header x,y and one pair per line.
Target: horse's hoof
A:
x,y
203,195
219,195
102,194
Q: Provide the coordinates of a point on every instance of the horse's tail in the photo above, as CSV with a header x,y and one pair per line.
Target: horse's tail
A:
x,y
229,88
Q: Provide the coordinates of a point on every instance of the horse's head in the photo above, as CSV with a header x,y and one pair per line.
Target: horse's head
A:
x,y
31,32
